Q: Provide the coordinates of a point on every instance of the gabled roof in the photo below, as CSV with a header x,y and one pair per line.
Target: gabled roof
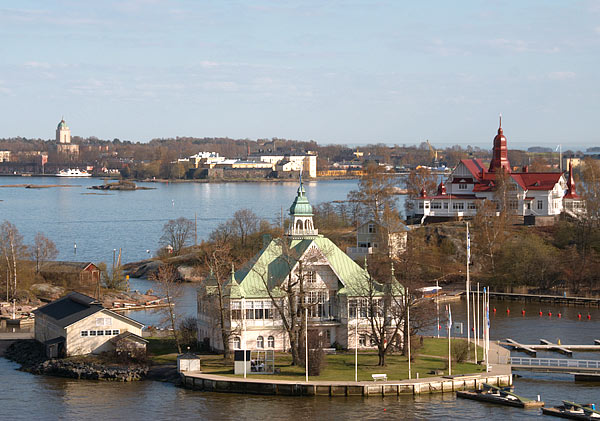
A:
x,y
70,308
475,167
74,307
272,265
65,267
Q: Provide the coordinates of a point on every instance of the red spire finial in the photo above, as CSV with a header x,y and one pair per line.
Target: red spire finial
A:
x,y
500,120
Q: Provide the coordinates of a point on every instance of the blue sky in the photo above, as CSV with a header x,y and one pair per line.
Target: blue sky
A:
x,y
334,71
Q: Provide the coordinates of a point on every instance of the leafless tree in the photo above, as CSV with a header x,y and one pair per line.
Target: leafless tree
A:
x,y
177,233
13,250
375,193
169,288
216,289
245,222
42,250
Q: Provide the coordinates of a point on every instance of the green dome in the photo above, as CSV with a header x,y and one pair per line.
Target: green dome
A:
x,y
301,205
62,125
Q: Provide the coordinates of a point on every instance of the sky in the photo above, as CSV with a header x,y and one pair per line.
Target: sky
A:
x,y
346,72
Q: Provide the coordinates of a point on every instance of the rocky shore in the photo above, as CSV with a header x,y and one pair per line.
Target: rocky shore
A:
x,y
30,354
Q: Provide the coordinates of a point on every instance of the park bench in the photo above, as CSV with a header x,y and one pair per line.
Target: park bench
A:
x,y
379,377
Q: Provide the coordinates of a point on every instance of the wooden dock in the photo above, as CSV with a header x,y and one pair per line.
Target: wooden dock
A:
x,y
549,346
544,298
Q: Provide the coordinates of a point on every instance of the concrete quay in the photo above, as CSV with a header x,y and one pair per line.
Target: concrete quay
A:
x,y
499,375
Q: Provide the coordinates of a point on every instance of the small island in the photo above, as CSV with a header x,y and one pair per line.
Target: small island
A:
x,y
120,185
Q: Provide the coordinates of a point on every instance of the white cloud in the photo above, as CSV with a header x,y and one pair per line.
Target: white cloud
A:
x,y
561,75
37,64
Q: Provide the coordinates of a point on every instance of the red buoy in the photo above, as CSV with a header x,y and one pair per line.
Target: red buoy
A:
x,y
559,315
589,317
541,314
523,312
494,309
549,314
507,310
579,316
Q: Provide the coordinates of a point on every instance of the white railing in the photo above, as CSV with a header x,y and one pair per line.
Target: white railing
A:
x,y
553,362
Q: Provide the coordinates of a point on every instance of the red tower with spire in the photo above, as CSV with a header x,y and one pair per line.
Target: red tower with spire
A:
x,y
571,192
500,152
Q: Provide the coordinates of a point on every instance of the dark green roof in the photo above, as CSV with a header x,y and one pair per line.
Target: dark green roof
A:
x,y
301,205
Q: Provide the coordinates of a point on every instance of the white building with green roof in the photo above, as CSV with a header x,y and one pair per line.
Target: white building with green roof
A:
x,y
333,284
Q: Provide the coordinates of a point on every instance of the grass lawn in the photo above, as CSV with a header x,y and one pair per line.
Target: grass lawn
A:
x,y
432,356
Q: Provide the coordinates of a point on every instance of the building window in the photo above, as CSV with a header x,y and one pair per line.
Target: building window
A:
x,y
311,277
236,310
362,340
103,321
513,205
115,331
372,229
458,205
471,205
258,310
436,205
249,310
84,333
271,342
92,333
528,205
237,342
108,332
445,205
267,309
540,204
420,205
462,186
260,342
99,333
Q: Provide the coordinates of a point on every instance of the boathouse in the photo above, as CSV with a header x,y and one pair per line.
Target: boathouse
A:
x,y
78,325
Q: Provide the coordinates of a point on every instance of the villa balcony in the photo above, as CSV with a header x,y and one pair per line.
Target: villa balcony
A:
x,y
356,253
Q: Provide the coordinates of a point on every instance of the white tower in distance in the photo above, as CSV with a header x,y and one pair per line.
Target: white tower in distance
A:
x,y
63,133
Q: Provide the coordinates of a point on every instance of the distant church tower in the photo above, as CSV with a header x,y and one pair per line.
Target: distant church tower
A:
x,y
500,152
63,133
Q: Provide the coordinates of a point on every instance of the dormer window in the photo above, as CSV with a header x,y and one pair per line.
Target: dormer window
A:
x,y
372,229
462,186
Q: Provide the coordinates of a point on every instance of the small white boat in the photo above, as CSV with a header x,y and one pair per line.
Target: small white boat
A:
x,y
73,173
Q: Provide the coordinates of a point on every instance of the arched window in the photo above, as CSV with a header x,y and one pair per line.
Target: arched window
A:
x,y
260,342
237,342
271,342
299,224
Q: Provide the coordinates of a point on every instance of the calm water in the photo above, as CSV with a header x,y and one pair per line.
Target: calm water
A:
x,y
98,223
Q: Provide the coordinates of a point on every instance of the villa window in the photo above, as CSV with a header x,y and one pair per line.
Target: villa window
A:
x,y
108,332
271,342
115,331
458,205
372,228
92,333
249,310
311,277
268,314
237,342
84,333
540,204
445,205
258,310
436,205
99,333
236,310
462,186
421,205
471,205
362,340
260,342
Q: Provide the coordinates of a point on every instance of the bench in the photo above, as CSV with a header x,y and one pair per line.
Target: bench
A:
x,y
382,377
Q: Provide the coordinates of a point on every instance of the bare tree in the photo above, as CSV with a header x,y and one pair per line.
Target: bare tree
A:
x,y
420,179
177,233
216,289
375,193
42,250
245,223
169,288
13,250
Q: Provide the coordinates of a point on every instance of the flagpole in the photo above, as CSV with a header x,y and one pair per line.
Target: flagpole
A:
x,y
408,331
449,334
468,288
437,306
477,319
306,338
356,346
474,331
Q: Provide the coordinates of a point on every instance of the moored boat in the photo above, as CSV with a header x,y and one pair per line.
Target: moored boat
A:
x,y
73,173
493,394
573,411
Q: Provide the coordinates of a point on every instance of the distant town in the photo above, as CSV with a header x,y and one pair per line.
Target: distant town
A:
x,y
191,158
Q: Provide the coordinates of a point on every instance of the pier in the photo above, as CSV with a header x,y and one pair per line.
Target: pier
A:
x,y
549,346
556,365
543,298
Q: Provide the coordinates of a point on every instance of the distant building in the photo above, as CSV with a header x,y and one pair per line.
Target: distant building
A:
x,y
306,163
537,196
83,273
373,237
78,325
63,140
4,156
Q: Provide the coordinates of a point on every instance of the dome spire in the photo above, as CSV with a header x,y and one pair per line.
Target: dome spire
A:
x,y
301,212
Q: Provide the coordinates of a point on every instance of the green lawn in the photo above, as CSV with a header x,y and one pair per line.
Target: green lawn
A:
x,y
432,356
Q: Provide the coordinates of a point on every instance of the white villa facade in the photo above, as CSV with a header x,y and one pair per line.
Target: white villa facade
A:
x,y
334,285
537,196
